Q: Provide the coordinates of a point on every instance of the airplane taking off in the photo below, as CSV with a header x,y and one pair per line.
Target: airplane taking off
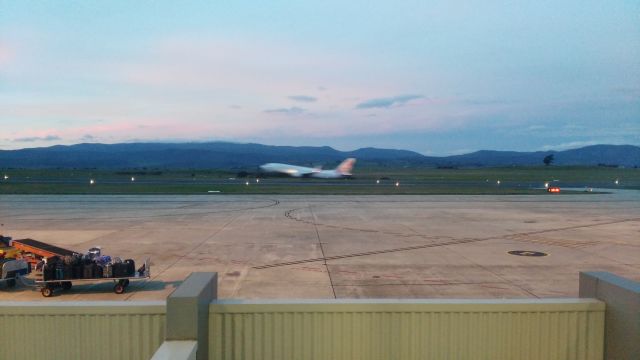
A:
x,y
343,170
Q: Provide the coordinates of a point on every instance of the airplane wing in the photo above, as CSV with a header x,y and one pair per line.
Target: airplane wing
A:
x,y
298,170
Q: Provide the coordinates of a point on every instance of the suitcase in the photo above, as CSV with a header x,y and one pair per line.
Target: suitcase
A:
x,y
78,271
88,271
131,267
77,259
94,253
108,271
98,271
67,260
115,269
119,270
68,272
59,271
53,260
48,272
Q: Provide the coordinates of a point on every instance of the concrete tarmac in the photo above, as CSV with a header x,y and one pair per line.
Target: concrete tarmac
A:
x,y
287,246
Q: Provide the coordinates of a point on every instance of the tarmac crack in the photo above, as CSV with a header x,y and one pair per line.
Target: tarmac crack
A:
x,y
290,214
181,214
333,289
185,254
374,252
505,281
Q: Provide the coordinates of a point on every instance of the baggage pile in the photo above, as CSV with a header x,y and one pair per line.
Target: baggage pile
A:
x,y
61,271
92,265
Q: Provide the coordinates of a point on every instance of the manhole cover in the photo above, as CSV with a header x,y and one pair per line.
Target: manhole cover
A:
x,y
527,253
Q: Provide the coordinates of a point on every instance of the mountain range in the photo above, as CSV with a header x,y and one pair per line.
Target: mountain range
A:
x,y
225,155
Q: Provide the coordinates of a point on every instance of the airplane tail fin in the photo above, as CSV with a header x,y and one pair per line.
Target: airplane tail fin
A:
x,y
345,167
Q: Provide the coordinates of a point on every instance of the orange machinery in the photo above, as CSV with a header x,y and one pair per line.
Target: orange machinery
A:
x,y
39,250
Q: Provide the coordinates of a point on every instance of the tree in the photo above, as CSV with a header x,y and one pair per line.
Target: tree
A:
x,y
548,159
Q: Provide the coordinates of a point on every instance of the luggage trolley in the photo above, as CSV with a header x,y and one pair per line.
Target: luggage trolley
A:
x,y
48,286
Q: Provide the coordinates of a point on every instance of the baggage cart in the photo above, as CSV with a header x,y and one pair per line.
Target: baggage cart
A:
x,y
47,287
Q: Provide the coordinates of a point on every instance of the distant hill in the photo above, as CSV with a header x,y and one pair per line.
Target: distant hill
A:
x,y
224,155
620,155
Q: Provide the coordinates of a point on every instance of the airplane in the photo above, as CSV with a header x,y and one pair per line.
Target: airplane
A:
x,y
343,170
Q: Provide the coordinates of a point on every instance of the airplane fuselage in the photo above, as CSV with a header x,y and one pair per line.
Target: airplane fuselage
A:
x,y
342,171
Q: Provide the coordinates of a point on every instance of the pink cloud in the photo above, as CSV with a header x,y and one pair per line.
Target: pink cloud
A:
x,y
256,68
7,54
183,88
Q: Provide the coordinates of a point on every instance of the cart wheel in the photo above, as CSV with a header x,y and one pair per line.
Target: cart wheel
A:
x,y
66,285
126,282
119,288
47,291
11,283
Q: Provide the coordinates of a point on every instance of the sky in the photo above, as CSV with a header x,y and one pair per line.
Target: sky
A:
x,y
436,77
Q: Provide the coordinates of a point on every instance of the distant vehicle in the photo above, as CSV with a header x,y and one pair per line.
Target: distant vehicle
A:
x,y
553,189
11,269
343,170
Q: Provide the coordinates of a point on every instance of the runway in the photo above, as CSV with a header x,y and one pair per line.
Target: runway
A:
x,y
294,246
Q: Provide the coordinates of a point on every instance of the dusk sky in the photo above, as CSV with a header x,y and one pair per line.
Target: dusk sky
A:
x,y
437,77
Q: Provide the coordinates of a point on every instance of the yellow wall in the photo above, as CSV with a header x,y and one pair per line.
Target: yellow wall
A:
x,y
81,330
331,330
439,329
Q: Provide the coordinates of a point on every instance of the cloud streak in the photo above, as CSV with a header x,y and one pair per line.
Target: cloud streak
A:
x,y
38,138
286,111
303,98
387,102
571,145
